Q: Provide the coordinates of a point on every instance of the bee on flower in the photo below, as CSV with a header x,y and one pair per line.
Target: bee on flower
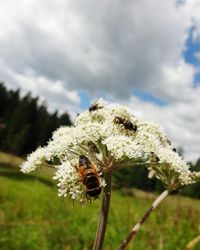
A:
x,y
104,138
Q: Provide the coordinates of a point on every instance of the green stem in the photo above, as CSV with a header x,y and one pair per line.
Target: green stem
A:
x,y
98,244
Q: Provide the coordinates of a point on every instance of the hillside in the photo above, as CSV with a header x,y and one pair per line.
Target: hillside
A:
x,y
33,217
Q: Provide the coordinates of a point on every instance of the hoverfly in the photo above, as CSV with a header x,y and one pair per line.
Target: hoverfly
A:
x,y
89,176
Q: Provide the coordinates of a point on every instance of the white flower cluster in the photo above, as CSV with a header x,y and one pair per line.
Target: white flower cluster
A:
x,y
111,138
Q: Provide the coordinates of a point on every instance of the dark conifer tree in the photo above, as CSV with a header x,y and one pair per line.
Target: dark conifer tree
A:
x,y
24,124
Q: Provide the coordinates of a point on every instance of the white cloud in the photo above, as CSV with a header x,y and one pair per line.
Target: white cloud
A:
x,y
180,120
95,45
191,11
57,47
55,93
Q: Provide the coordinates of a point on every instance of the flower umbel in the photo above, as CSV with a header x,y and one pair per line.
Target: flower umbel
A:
x,y
110,137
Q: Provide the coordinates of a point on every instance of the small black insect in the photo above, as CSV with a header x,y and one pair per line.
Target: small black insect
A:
x,y
96,105
126,124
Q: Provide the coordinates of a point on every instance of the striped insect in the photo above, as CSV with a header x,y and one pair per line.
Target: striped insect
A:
x,y
89,176
125,123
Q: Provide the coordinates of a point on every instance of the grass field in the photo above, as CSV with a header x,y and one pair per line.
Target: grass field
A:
x,y
33,217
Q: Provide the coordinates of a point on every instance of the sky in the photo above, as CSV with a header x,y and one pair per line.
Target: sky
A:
x,y
139,53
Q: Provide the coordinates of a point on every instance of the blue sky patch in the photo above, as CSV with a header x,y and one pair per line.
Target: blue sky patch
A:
x,y
85,99
192,47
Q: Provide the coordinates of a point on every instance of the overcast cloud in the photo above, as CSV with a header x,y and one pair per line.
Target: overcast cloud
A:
x,y
56,48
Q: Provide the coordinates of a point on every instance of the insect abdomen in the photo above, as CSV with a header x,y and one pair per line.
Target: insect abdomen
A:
x,y
94,193
91,182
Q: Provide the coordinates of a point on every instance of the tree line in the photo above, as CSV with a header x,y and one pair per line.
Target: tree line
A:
x,y
25,125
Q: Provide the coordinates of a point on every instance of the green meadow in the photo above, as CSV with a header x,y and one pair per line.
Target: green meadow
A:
x,y
33,217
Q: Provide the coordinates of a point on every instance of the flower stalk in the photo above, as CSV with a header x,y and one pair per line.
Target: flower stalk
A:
x,y
104,138
98,244
137,226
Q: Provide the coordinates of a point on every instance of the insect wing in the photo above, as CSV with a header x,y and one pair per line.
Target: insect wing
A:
x,y
84,162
